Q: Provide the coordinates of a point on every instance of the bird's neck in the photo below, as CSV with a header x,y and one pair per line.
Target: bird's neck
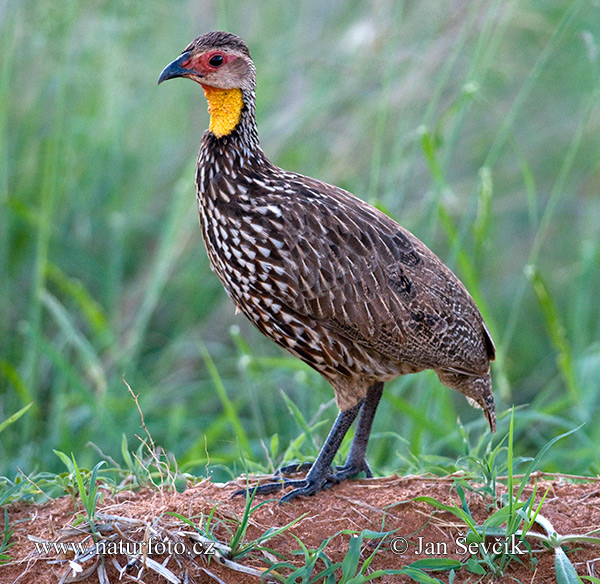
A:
x,y
225,109
232,120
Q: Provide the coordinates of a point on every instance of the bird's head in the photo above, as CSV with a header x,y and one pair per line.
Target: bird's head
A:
x,y
215,59
221,63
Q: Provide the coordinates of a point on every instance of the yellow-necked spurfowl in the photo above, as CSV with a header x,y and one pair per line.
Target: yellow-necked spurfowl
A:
x,y
325,275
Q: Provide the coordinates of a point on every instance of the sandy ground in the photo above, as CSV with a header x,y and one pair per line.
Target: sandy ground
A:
x,y
132,517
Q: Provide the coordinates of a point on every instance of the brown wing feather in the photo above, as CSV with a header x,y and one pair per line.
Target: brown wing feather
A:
x,y
364,277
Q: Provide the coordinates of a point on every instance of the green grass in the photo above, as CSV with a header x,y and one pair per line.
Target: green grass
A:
x,y
477,131
511,519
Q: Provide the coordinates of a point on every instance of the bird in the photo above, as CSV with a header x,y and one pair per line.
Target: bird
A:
x,y
330,278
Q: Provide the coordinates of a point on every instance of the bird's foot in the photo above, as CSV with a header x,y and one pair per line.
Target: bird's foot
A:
x,y
290,469
341,473
351,469
302,487
278,483
309,485
279,480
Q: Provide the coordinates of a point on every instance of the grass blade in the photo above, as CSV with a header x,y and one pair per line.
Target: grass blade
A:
x,y
231,412
12,419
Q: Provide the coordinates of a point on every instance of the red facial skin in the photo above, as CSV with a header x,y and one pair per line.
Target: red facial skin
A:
x,y
201,64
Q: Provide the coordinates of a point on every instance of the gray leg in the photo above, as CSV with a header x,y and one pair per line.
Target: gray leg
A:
x,y
357,461
319,475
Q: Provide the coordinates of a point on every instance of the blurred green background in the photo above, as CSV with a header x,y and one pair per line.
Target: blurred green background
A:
x,y
474,124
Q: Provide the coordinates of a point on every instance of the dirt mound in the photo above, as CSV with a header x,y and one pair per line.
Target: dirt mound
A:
x,y
382,504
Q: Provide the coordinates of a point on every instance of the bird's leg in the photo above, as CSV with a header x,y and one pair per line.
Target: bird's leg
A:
x,y
319,475
356,461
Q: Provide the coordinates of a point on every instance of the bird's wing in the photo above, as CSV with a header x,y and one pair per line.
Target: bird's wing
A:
x,y
363,276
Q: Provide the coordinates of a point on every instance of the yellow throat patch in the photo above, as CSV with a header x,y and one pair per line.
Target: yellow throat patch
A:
x,y
225,109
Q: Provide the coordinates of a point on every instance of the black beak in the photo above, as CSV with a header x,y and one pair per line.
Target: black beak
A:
x,y
175,69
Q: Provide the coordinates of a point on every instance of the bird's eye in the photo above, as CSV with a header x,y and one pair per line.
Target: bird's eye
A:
x,y
216,61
